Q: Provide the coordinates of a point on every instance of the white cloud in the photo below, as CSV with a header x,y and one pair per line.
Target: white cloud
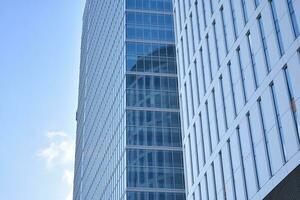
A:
x,y
59,152
52,134
60,155
68,178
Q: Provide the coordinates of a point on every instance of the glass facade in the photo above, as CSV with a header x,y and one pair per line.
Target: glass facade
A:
x,y
153,134
129,144
239,92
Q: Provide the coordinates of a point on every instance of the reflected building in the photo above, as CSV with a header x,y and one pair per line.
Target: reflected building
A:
x,y
128,143
239,87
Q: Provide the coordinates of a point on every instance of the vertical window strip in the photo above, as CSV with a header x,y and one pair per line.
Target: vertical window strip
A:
x,y
176,29
216,115
181,113
211,7
202,139
206,183
191,93
224,29
202,71
187,106
293,18
278,121
200,192
233,15
196,148
204,13
242,162
256,2
179,69
216,44
197,20
192,32
277,28
292,100
223,102
231,170
232,89
184,10
185,177
180,17
242,75
182,56
191,159
189,4
214,179
208,127
187,45
245,13
253,63
222,174
209,59
250,134
264,43
197,82
265,137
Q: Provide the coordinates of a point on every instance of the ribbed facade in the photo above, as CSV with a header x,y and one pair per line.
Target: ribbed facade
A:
x,y
239,87
128,144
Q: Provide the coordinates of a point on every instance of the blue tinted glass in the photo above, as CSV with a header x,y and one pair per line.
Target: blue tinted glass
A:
x,y
130,18
130,4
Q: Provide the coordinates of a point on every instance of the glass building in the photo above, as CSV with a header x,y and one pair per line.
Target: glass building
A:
x,y
128,144
239,87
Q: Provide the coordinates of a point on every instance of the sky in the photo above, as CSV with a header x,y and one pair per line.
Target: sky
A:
x,y
39,70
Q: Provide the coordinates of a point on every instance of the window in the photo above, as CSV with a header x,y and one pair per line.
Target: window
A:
x,y
223,102
191,93
197,20
242,75
187,105
277,28
216,43
252,150
204,12
197,82
187,45
232,88
264,136
278,121
224,29
182,56
293,18
252,59
233,15
264,43
202,71
196,148
202,138
192,32
257,2
191,159
242,162
291,97
245,13
209,59
216,115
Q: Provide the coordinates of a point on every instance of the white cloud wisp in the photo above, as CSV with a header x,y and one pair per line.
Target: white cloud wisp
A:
x,y
59,155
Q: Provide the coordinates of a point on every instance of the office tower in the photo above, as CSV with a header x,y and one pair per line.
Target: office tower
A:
x,y
239,87
128,143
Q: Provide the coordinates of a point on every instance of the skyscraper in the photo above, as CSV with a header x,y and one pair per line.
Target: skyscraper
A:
x,y
128,142
239,86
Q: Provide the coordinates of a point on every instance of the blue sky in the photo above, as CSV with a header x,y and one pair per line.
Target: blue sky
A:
x,y
39,66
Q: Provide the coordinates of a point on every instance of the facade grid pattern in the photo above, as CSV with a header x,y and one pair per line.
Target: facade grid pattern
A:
x,y
239,88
